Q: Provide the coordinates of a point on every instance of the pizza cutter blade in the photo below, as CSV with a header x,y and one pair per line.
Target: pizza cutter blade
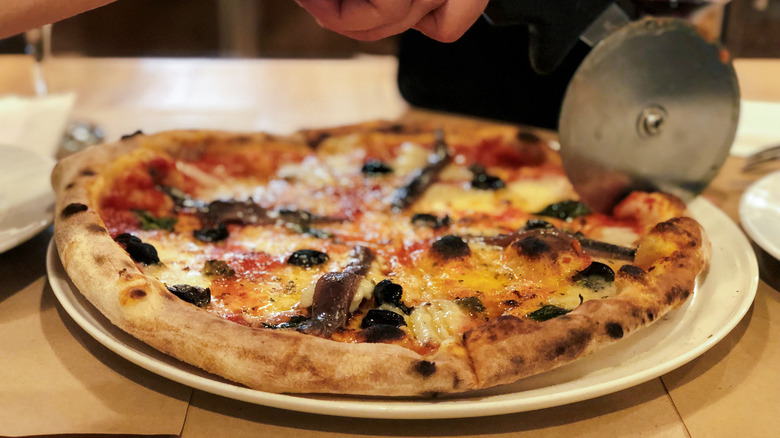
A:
x,y
653,106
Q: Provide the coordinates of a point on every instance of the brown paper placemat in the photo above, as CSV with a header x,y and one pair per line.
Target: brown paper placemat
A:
x,y
56,379
645,410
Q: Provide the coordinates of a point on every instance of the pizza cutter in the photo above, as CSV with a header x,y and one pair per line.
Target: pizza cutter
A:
x,y
653,106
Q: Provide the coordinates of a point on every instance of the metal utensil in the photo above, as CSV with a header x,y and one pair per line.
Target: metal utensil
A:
x,y
764,156
653,106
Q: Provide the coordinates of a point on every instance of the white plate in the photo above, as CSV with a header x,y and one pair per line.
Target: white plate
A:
x,y
759,212
718,304
26,197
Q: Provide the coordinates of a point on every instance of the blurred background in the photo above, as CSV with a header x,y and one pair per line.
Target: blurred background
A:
x,y
275,29
200,28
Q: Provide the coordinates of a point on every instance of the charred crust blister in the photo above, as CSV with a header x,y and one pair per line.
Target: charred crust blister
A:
x,y
73,208
517,361
125,275
614,330
95,228
451,247
424,368
676,294
631,271
572,346
137,294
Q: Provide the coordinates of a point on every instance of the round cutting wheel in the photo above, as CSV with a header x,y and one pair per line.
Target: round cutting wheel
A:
x,y
653,106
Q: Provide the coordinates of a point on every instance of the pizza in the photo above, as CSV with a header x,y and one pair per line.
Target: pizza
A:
x,y
393,259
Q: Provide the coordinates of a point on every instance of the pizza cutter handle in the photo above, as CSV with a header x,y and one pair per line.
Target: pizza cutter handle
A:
x,y
554,26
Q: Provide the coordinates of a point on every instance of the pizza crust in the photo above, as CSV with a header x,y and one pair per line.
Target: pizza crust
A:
x,y
502,351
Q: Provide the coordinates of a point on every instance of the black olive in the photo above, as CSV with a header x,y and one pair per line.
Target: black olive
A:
x,y
565,210
595,275
307,258
211,234
596,269
198,296
387,292
532,246
484,181
534,224
381,316
429,220
450,247
382,332
375,167
125,238
547,312
139,251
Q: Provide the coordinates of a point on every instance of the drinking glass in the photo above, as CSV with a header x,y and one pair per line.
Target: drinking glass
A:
x,y
79,134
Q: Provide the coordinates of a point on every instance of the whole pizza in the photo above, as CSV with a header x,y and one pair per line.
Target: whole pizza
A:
x,y
399,259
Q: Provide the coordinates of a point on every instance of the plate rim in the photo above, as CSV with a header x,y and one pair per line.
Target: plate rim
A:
x,y
749,225
367,407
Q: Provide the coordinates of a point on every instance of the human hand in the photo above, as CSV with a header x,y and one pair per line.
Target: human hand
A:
x,y
369,20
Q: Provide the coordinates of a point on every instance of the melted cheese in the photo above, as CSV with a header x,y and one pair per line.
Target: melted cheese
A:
x,y
412,156
572,296
437,321
530,195
621,236
329,184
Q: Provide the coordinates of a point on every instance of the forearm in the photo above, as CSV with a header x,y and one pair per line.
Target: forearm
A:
x,y
19,15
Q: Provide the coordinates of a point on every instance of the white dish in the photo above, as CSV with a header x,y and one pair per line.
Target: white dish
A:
x,y
759,212
718,304
26,196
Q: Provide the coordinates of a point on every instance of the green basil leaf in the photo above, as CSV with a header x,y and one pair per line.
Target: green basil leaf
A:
x,y
547,312
150,222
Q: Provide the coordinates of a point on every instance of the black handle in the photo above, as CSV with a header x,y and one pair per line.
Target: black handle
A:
x,y
554,26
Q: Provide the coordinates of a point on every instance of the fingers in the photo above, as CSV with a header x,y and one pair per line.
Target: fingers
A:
x,y
368,20
357,15
417,11
450,21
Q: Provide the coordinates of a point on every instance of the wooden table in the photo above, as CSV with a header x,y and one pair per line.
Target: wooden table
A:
x,y
57,379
